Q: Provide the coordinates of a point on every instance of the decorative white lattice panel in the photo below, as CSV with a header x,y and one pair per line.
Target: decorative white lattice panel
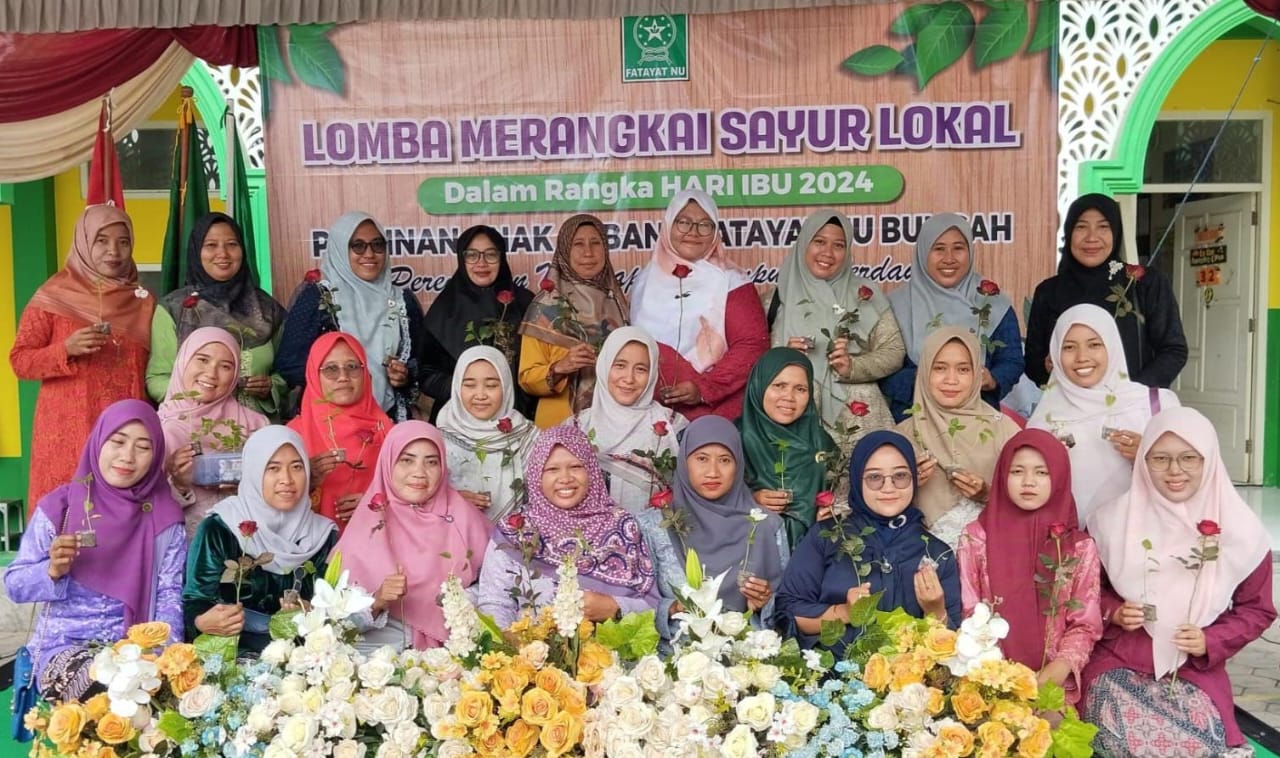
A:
x,y
240,86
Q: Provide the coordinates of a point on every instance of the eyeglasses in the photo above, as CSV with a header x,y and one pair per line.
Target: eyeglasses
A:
x,y
378,246
901,480
475,256
334,370
703,228
1188,463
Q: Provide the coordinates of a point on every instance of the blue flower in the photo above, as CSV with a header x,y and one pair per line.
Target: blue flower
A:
x,y
213,665
188,747
783,691
875,740
846,667
890,740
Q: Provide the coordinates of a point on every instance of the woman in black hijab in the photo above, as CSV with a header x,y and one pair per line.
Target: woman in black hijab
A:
x,y
1091,270
480,305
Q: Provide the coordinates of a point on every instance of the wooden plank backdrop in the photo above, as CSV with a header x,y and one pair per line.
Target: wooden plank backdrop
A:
x,y
453,70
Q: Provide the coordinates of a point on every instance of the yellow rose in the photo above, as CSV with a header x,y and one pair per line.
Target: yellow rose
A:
x,y
188,680
149,635
996,737
593,659
585,628
904,671
65,724
91,749
968,704
34,721
493,661
473,707
486,728
956,739
1013,715
990,751
97,706
937,701
876,673
538,707
1036,744
550,679
509,679
113,729
448,728
571,701
561,734
940,642
1023,683
521,737
176,659
493,744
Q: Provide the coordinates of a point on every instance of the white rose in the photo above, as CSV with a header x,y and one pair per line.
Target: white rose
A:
x,y
150,739
635,721
406,735
449,671
687,693
739,743
914,698
363,705
764,643
700,714
412,678
691,666
436,707
593,733
390,750
321,640
341,668
757,711
385,653
732,623
452,690
716,681
651,674
277,652
623,690
344,690
392,705
349,749
453,749
741,676
198,701
375,673
262,717
535,653
620,746
292,683
292,703
277,750
767,675
804,715
883,717
297,732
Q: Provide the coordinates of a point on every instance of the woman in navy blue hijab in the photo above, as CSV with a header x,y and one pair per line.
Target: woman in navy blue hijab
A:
x,y
823,579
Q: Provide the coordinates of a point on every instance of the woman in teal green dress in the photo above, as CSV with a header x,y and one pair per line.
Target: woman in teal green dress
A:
x,y
270,514
221,290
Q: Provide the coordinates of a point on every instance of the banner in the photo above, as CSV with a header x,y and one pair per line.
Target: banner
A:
x,y
888,112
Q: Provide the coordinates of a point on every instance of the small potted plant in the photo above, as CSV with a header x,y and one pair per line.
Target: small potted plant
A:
x,y
223,465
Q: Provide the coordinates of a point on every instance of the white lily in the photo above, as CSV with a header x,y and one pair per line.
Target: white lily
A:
x,y
340,601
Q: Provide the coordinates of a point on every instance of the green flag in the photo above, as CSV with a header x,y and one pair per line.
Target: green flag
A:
x,y
188,199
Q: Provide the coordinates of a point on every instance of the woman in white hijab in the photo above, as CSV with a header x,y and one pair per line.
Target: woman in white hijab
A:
x,y
1093,407
486,438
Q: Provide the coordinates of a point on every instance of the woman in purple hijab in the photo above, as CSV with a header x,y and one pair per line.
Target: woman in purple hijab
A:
x,y
567,513
103,552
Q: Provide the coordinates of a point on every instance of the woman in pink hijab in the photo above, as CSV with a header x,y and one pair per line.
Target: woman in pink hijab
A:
x,y
410,531
1189,571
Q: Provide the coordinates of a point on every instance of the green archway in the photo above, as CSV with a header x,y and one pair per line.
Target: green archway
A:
x,y
1122,174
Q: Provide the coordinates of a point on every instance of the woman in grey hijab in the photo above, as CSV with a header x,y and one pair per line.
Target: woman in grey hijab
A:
x,y
352,292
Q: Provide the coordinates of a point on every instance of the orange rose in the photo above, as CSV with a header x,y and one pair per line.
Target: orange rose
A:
x,y
509,679
956,739
493,744
97,706
876,673
114,730
65,724
1023,683
937,701
561,735
968,704
1036,744
904,671
995,737
549,679
149,635
188,680
176,659
940,642
572,701
473,708
538,707
521,737
593,659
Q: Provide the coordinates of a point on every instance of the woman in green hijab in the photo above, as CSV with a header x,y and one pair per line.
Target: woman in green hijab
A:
x,y
783,439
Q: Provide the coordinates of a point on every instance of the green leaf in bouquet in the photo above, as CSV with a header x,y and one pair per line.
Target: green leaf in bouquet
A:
x,y
1072,738
217,644
282,625
174,726
693,569
863,611
633,637
1051,697
334,570
489,625
830,633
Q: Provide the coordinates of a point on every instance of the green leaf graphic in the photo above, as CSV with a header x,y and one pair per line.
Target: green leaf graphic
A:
x,y
1000,33
943,40
908,64
315,60
873,61
1045,34
913,19
270,59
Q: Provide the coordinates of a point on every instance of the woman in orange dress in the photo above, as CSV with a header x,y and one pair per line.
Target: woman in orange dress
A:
x,y
85,336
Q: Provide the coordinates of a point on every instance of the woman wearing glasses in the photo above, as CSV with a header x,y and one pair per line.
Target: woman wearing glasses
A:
x,y
341,425
1157,682
352,292
900,558
702,309
480,305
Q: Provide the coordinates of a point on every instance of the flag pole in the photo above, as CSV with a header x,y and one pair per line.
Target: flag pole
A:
x,y
229,162
106,164
185,119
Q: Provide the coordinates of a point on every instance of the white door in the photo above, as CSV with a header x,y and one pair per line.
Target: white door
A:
x,y
1213,276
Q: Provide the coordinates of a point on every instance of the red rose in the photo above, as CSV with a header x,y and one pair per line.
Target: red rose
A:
x,y
661,499
1135,271
506,297
825,499
504,425
1209,528
516,521
190,301
660,428
681,271
859,408
865,293
1057,529
248,528
378,503
312,276
988,288
365,436
547,285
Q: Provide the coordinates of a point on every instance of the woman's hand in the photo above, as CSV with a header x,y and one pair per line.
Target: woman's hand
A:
x,y
221,620
675,607
925,466
481,500
182,467
85,341
839,359
798,343
988,381
929,593
1125,442
970,485
257,386
321,465
1189,638
397,373
681,393
580,356
392,589
62,552
1128,616
756,591
773,500
597,606
346,506
1056,671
